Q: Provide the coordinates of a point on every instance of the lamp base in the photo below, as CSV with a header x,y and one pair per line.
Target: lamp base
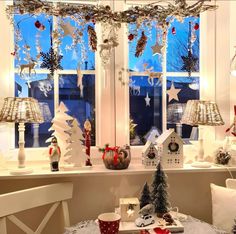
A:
x,y
201,164
21,171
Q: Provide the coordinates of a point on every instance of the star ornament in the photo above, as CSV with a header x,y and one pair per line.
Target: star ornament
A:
x,y
173,93
68,29
147,100
189,63
157,49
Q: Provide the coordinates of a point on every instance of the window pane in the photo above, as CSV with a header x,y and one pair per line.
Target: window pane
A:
x,y
178,36
188,90
178,40
30,39
77,53
80,107
145,113
42,89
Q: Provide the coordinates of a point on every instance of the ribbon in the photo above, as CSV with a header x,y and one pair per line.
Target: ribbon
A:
x,y
115,150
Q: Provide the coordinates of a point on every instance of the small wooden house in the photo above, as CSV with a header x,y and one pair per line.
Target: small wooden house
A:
x,y
150,157
170,149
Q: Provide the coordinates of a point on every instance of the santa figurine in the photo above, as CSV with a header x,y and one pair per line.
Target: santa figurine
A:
x,y
54,154
87,136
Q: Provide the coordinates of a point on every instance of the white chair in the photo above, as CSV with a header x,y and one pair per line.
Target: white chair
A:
x,y
14,202
230,183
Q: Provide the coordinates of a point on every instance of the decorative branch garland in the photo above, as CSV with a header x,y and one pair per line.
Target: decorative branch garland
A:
x,y
154,11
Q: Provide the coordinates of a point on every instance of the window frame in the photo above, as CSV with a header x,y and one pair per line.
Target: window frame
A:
x,y
112,99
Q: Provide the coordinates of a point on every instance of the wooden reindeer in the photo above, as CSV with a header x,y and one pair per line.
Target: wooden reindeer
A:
x,y
152,75
29,66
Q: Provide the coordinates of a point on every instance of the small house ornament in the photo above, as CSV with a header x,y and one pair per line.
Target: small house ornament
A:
x,y
170,149
150,156
129,209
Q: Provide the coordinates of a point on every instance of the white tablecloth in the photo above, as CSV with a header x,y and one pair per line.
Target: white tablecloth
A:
x,y
191,226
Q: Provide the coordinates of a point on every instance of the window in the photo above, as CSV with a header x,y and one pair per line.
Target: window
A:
x,y
150,113
32,36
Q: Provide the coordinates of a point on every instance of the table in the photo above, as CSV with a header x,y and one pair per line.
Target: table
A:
x,y
191,226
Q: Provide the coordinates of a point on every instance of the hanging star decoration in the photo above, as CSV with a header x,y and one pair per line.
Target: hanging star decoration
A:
x,y
190,63
68,29
173,92
51,61
147,100
157,49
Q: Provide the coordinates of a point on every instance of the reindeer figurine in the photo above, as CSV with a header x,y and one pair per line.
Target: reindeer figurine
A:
x,y
29,66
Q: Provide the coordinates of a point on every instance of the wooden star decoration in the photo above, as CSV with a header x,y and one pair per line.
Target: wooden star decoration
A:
x,y
157,49
189,63
147,100
68,29
173,93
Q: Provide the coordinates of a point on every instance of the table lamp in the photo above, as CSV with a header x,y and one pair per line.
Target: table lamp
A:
x,y
174,114
21,110
205,113
47,116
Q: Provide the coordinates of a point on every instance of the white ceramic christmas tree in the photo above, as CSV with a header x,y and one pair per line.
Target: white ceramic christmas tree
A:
x,y
76,154
60,128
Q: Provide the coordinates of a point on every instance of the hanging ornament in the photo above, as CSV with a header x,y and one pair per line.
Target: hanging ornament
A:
x,y
173,31
92,38
141,45
173,92
147,100
80,81
196,26
68,29
131,37
37,24
157,49
190,63
51,60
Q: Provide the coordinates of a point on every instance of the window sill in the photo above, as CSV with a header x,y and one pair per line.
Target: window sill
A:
x,y
100,170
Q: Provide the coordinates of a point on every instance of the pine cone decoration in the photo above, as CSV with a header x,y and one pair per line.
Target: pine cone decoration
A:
x,y
141,45
92,38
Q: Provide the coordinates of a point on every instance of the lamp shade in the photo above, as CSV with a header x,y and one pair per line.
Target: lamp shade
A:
x,y
199,112
20,110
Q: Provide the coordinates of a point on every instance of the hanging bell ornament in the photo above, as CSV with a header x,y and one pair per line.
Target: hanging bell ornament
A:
x,y
196,26
173,30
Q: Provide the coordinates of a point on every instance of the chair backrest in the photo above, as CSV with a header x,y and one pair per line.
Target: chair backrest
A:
x,y
18,201
231,183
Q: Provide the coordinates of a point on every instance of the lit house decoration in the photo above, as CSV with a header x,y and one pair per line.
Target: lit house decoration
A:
x,y
129,209
170,149
150,157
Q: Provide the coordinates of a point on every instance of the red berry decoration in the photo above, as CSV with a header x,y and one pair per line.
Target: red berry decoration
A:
x,y
173,31
196,26
131,37
37,24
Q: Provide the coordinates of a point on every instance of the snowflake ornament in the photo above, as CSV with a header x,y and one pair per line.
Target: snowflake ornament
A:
x,y
51,61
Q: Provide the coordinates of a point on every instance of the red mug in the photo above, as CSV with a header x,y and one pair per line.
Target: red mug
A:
x,y
109,223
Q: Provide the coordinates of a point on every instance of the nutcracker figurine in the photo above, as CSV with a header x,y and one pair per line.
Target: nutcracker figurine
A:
x,y
54,154
87,136
233,125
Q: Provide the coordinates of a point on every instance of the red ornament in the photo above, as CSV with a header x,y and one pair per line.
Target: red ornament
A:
x,y
131,37
173,31
161,231
37,24
196,26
